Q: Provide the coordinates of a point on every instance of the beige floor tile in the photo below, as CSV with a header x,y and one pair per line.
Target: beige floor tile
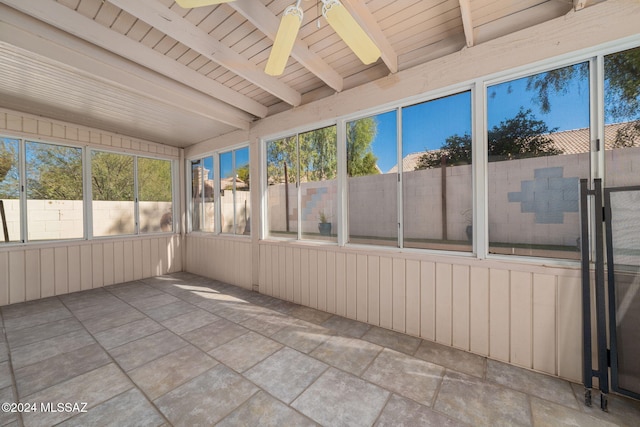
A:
x,y
548,414
130,408
7,396
215,334
189,321
54,370
622,411
20,337
245,351
269,324
41,350
93,387
340,399
286,373
168,311
31,308
137,353
264,410
405,375
37,318
310,314
400,412
536,384
452,358
392,339
122,316
123,334
304,336
347,327
168,372
206,399
481,403
146,303
349,354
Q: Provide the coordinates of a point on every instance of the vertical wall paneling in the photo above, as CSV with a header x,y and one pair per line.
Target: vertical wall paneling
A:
x,y
118,262
32,274
17,278
4,278
479,311
499,309
289,281
146,258
521,312
47,273
413,297
443,303
460,308
282,263
313,278
341,285
61,270
544,323
570,328
304,276
428,300
373,290
331,282
108,262
351,285
137,260
156,269
127,250
262,275
361,287
296,285
86,272
322,280
386,292
73,258
98,265
399,295
268,281
168,260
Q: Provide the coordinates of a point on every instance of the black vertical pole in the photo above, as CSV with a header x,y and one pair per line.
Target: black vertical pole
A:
x,y
603,365
587,370
4,222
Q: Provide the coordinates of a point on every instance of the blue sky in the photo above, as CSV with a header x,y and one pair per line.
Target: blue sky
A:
x,y
426,126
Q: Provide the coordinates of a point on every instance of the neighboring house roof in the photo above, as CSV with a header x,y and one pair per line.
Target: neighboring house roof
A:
x,y
570,142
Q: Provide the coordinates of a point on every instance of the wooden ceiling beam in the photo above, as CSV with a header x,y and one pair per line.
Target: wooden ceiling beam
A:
x,y
175,26
367,21
265,21
467,22
68,20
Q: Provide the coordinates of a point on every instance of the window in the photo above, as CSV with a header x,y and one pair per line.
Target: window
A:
x,y
302,187
112,179
202,200
622,118
372,179
437,192
154,195
9,190
55,208
235,202
538,150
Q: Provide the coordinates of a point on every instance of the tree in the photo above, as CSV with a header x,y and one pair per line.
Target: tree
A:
x,y
154,180
54,172
520,137
243,174
360,158
8,180
318,154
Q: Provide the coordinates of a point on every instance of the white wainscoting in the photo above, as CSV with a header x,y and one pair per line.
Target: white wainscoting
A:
x,y
527,315
29,272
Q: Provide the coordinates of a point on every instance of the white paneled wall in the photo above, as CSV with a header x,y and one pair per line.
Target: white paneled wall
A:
x,y
228,259
522,314
29,272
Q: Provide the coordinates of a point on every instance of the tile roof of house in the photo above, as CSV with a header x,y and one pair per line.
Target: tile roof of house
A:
x,y
570,142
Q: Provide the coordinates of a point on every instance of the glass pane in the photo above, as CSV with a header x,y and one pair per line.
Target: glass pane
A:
x,y
9,190
54,192
373,180
113,198
209,224
197,202
436,174
622,118
243,192
539,147
282,181
227,184
154,195
318,186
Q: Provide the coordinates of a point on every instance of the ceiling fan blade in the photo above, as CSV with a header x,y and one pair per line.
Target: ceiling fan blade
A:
x,y
188,4
284,41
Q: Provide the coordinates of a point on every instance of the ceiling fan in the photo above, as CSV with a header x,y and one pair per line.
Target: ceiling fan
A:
x,y
336,15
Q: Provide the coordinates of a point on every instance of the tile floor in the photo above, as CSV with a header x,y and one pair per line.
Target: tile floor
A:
x,y
185,350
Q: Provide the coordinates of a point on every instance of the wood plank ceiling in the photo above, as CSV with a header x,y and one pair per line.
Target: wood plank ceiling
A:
x,y
153,70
